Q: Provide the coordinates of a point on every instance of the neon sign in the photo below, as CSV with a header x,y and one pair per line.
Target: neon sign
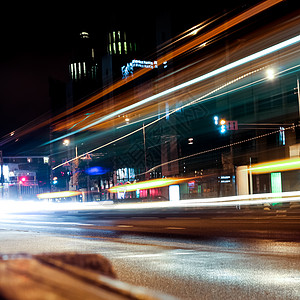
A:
x,y
135,63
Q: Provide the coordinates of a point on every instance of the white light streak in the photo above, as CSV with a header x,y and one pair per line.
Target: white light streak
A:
x,y
195,101
11,207
203,77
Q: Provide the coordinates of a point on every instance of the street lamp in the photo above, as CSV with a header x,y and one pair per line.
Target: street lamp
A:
x,y
270,73
66,142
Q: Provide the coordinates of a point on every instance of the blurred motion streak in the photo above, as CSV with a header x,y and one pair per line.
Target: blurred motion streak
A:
x,y
276,166
222,147
195,101
63,194
8,207
197,41
115,110
202,98
149,184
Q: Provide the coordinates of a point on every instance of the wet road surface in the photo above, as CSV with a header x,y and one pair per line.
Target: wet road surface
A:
x,y
188,266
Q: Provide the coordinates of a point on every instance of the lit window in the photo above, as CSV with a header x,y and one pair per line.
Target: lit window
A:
x,y
119,35
75,71
72,71
282,136
109,37
119,46
114,36
115,50
125,47
84,69
84,35
93,53
109,49
79,70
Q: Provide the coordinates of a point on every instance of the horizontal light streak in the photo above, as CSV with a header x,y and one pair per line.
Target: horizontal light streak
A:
x,y
8,207
63,194
145,185
276,166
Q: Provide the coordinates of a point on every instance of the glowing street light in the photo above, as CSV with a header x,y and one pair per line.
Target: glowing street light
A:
x,y
66,142
216,119
270,73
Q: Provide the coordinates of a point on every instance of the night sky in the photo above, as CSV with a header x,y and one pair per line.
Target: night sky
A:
x,y
36,39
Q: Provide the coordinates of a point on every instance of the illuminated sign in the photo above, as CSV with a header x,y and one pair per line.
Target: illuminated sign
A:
x,y
174,192
225,178
96,170
135,63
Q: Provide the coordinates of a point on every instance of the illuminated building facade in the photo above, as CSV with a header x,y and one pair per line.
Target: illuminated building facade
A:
x,y
24,177
84,66
121,47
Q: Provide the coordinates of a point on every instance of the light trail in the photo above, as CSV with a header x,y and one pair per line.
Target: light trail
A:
x,y
155,121
200,99
282,165
12,207
39,123
148,184
221,147
171,55
201,78
54,195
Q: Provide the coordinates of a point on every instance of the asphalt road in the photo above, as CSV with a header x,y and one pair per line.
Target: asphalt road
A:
x,y
233,254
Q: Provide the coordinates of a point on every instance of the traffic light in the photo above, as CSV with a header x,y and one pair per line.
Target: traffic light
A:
x,y
23,179
54,181
221,124
216,119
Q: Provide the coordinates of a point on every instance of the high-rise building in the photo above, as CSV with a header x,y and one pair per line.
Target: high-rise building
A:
x,y
121,47
84,66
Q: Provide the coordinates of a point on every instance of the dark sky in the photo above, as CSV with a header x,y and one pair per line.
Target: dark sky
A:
x,y
36,38
35,45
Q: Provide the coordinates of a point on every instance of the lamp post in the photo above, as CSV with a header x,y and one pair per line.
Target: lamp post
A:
x,y
74,166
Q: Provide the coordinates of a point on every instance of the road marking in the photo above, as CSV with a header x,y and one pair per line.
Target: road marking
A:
x,y
125,226
178,228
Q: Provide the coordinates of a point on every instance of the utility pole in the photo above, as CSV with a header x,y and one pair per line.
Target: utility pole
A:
x,y
250,178
145,150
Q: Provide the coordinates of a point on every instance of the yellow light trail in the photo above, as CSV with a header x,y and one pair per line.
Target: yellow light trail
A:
x,y
275,166
146,185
